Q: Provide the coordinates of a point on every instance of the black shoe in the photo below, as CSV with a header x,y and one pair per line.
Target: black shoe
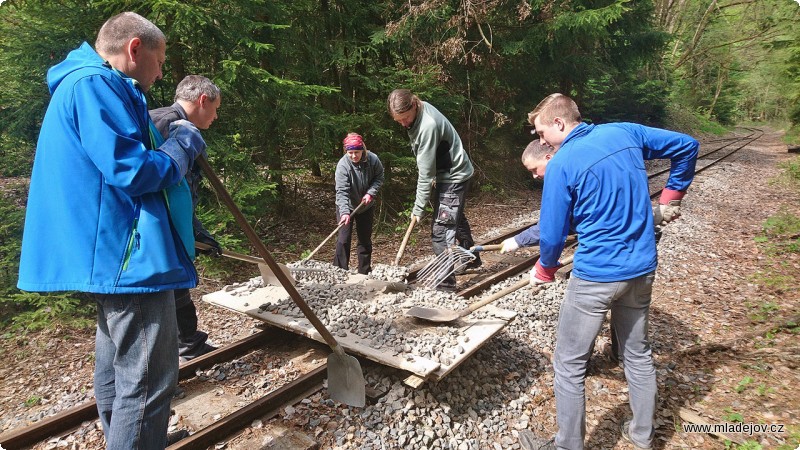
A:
x,y
474,264
176,436
529,441
446,288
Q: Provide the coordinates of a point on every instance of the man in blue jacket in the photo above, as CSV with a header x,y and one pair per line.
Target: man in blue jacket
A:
x,y
98,222
597,184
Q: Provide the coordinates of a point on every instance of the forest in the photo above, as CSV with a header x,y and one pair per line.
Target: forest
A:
x,y
297,76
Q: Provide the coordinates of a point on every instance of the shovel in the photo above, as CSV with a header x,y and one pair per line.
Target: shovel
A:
x,y
346,382
405,241
266,273
447,315
358,208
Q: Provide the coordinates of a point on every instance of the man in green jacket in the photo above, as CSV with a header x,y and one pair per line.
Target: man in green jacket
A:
x,y
443,166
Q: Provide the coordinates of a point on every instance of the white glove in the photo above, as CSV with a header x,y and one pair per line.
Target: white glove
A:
x,y
665,213
509,245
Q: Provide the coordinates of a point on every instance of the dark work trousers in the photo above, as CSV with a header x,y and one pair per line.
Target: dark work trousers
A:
x,y
191,341
450,224
363,223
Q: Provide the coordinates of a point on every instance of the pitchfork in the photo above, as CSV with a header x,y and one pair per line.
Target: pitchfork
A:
x,y
448,262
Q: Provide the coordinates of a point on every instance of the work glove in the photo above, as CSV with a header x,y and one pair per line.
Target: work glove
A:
x,y
345,219
184,144
668,208
205,238
367,199
541,275
509,245
416,219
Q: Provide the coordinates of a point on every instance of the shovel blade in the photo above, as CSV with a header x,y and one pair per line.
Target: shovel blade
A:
x,y
433,314
269,276
346,382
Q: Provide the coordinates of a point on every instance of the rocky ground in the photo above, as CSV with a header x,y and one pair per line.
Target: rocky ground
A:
x,y
723,325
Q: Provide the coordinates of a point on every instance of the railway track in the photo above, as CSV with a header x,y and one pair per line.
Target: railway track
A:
x,y
313,381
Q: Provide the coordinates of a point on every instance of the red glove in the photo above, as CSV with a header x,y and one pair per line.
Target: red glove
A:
x,y
541,274
367,199
669,206
345,219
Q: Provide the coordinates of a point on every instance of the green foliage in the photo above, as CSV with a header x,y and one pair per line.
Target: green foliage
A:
x,y
27,311
791,169
732,416
11,219
746,445
742,385
33,400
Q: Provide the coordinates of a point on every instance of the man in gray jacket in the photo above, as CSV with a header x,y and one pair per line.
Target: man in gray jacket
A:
x,y
443,166
359,176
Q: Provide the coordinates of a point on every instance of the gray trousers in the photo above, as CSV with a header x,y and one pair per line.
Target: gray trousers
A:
x,y
582,312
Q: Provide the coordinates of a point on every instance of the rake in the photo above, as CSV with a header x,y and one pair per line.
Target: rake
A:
x,y
443,265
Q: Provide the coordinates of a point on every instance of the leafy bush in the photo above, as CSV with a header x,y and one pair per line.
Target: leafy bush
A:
x,y
25,311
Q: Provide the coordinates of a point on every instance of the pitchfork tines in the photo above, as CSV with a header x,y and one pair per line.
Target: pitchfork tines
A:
x,y
443,265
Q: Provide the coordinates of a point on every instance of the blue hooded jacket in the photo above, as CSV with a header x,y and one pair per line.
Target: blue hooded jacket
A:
x,y
597,183
97,220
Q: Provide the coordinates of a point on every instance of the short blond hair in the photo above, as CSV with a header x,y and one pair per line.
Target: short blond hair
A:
x,y
120,29
535,151
555,105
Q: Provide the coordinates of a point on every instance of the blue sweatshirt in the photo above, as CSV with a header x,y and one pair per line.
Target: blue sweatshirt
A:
x,y
97,219
597,183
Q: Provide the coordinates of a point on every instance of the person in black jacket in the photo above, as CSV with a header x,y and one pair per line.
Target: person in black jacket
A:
x,y
196,100
359,176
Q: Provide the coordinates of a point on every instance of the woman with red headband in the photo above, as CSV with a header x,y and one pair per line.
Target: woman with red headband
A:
x,y
359,176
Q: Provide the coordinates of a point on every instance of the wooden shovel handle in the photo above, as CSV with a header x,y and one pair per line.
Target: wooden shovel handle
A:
x,y
333,233
485,248
405,240
516,286
262,250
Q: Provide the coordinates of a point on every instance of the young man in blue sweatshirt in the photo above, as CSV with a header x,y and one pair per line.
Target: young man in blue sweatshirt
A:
x,y
597,184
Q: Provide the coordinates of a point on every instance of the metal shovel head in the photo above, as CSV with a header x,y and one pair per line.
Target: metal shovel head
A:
x,y
433,314
346,382
269,277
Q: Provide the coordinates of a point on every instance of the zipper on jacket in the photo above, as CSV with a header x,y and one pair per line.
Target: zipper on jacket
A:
x,y
135,238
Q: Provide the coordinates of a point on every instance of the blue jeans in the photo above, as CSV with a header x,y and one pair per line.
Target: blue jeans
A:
x,y
582,312
136,368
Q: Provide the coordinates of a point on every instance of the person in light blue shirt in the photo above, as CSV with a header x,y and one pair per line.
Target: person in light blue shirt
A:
x,y
597,185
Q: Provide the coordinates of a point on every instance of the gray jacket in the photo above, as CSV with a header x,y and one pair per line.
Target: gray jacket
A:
x,y
440,155
353,181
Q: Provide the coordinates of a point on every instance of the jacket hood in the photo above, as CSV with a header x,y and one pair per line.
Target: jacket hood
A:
x,y
82,57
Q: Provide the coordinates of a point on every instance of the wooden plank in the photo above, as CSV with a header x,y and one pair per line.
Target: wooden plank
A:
x,y
475,332
245,304
478,333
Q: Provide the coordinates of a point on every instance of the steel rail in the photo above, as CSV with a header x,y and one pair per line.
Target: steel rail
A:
x,y
73,417
266,406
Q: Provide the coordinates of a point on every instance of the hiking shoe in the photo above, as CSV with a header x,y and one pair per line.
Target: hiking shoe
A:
x,y
176,436
474,264
624,429
446,288
529,441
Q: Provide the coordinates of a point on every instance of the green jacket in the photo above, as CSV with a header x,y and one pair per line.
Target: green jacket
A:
x,y
440,155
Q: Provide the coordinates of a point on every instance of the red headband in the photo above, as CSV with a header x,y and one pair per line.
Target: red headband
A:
x,y
353,141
